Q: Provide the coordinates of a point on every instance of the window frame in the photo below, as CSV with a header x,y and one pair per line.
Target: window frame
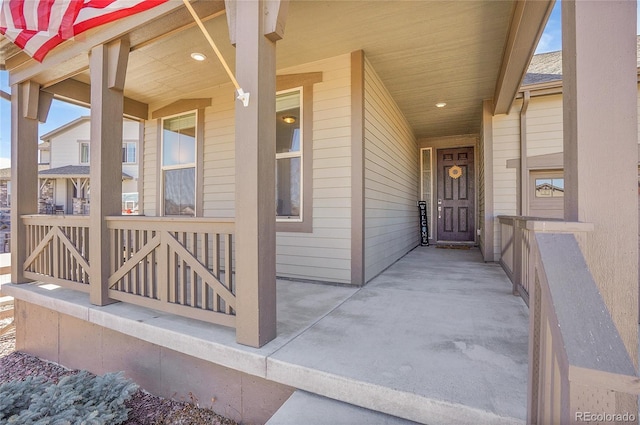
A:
x,y
295,154
125,144
82,143
195,164
305,85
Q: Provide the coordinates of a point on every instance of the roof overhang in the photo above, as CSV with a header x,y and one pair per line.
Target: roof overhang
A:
x,y
527,24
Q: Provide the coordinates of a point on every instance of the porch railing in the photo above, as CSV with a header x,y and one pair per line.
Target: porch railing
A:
x,y
58,250
579,368
181,266
515,251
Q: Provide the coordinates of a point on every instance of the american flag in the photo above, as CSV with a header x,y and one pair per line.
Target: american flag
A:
x,y
37,26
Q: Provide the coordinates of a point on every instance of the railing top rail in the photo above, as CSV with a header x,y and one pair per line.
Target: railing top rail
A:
x,y
178,224
146,218
589,336
49,218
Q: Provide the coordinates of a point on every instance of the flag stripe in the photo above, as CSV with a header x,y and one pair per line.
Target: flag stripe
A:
x,y
37,26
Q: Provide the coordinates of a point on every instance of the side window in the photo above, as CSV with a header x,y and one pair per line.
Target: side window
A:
x,y
546,194
84,152
289,151
178,167
129,153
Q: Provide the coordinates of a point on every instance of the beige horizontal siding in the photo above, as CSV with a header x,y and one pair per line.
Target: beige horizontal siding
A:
x,y
391,179
544,125
506,145
150,168
325,254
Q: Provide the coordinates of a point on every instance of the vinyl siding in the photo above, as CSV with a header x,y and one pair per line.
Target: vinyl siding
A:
x,y
65,148
506,145
544,125
325,253
391,179
150,167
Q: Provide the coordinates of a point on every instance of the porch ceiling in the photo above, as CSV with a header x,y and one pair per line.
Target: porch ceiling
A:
x,y
424,51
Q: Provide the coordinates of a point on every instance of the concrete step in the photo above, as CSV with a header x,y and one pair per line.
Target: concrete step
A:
x,y
311,409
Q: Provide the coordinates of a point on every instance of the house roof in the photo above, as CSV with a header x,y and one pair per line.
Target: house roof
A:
x,y
68,171
66,127
547,67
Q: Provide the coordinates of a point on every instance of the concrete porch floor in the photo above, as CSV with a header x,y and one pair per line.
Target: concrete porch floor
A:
x,y
437,338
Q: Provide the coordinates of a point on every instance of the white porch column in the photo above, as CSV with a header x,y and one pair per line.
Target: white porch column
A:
x,y
255,177
107,65
601,148
24,170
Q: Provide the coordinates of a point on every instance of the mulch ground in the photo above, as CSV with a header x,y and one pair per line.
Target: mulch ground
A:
x,y
145,409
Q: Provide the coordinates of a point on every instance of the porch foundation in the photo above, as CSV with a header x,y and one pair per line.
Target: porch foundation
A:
x,y
70,341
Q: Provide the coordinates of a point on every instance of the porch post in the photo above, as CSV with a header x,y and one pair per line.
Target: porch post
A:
x,y
601,150
255,178
24,178
107,67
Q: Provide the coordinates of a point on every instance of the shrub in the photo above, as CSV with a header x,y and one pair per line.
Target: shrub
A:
x,y
82,399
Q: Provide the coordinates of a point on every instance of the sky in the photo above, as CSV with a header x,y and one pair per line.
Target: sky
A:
x,y
62,112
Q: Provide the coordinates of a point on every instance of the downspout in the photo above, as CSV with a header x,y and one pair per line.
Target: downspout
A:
x,y
524,171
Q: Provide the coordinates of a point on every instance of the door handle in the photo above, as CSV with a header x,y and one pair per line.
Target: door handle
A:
x,y
439,212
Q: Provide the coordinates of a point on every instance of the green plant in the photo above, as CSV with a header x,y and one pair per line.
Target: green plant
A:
x,y
81,399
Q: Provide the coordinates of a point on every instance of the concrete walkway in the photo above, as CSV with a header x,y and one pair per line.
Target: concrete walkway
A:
x,y
437,338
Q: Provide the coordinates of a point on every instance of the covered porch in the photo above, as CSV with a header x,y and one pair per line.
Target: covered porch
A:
x,y
460,356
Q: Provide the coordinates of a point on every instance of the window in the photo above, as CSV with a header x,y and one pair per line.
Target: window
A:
x,y
549,188
289,150
129,153
179,164
84,152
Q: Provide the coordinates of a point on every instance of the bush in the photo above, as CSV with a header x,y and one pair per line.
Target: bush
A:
x,y
82,399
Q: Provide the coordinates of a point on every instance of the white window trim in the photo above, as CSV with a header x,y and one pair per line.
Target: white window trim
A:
x,y
299,154
80,144
135,145
193,165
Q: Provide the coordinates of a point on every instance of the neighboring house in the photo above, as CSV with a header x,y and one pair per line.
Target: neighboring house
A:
x,y
5,188
64,171
367,108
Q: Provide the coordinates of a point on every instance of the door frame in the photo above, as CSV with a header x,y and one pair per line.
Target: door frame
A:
x,y
451,142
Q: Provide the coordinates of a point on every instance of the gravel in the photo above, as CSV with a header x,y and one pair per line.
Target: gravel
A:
x,y
146,409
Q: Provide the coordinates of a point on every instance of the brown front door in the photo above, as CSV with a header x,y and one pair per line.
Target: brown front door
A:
x,y
455,205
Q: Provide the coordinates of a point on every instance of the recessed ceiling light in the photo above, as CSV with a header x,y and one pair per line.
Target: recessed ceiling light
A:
x,y
440,105
198,56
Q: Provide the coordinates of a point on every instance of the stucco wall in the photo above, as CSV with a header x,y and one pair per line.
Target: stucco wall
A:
x,y
324,254
391,173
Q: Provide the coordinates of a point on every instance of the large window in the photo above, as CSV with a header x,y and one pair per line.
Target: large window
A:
x,y
179,164
289,155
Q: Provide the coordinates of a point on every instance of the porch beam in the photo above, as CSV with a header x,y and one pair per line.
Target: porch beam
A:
x,y
274,19
601,152
255,178
24,178
107,65
527,24
80,93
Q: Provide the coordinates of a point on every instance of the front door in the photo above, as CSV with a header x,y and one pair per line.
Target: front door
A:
x,y
455,206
